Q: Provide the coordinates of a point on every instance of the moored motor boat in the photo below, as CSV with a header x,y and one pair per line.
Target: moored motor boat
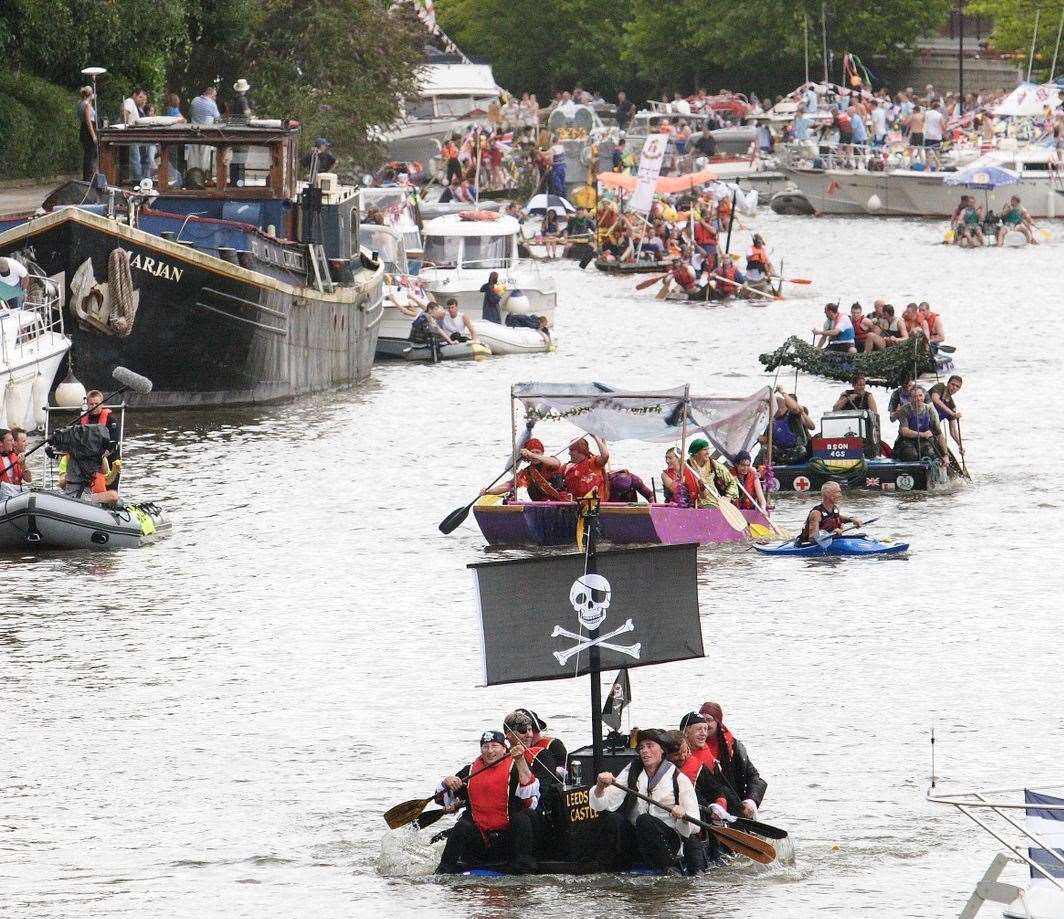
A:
x,y
50,520
839,545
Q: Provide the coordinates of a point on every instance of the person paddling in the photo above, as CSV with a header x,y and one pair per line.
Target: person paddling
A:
x,y
825,517
541,478
497,825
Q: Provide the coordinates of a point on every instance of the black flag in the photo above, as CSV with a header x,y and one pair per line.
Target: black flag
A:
x,y
536,613
619,697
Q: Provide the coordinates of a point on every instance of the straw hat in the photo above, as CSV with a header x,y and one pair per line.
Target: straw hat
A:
x,y
241,85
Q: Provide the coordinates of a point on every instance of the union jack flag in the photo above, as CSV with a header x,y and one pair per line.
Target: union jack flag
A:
x,y
871,482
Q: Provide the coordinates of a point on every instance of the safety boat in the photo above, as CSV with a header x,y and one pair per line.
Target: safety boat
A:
x,y
1029,825
664,416
32,347
45,519
652,593
848,450
462,250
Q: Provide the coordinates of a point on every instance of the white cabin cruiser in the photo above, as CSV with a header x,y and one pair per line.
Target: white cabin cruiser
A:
x,y
1029,823
32,346
452,97
915,192
460,254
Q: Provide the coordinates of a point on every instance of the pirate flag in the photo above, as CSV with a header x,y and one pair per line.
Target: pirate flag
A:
x,y
619,697
537,615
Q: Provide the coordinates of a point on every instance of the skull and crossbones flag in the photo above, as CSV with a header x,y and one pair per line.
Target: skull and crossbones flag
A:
x,y
539,617
619,697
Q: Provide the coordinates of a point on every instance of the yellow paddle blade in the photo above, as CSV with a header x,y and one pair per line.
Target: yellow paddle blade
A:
x,y
948,238
1047,234
760,531
489,501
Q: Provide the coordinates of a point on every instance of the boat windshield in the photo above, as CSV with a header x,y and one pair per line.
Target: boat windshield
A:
x,y
443,251
487,252
387,244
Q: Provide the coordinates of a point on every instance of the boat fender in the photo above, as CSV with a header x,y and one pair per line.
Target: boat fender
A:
x,y
40,399
873,204
478,215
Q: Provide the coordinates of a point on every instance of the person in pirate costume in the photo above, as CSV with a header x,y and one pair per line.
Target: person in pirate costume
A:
x,y
734,767
541,478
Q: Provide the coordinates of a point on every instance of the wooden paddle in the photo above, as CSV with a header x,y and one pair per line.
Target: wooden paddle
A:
x,y
666,286
409,811
960,443
651,281
736,840
457,517
752,290
797,280
731,514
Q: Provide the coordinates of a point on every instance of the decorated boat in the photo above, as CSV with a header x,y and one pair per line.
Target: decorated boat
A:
x,y
731,424
848,450
523,609
218,275
890,367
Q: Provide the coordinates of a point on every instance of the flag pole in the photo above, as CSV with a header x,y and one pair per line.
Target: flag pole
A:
x,y
590,512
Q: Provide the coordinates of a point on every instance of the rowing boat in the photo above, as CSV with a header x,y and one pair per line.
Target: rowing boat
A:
x,y
643,266
840,545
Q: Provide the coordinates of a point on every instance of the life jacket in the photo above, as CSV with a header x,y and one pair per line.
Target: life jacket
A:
x,y
930,318
859,331
829,521
843,122
420,330
911,324
103,418
757,259
730,272
10,468
489,796
683,274
746,482
705,235
690,485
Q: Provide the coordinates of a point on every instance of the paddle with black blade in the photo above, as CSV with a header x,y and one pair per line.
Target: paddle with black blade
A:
x,y
736,840
412,810
753,826
457,517
131,382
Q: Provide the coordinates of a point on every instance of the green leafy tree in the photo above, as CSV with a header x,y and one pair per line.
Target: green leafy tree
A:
x,y
1014,28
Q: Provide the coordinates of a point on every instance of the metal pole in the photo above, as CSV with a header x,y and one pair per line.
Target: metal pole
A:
x,y
960,56
594,659
1056,48
806,21
1034,38
513,437
824,35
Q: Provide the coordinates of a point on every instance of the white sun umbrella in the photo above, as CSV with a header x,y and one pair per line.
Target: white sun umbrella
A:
x,y
540,204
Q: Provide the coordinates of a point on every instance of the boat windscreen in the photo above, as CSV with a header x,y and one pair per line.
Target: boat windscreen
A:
x,y
443,251
486,251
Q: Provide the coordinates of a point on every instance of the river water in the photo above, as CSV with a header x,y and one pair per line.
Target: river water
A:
x,y
215,724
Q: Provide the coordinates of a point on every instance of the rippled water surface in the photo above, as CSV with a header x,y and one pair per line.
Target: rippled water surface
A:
x,y
214,725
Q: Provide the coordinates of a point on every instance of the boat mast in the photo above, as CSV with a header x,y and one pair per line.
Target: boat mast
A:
x,y
1034,38
1056,48
805,19
960,57
824,35
589,510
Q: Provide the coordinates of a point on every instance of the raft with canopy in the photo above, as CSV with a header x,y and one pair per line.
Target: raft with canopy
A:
x,y
665,416
912,358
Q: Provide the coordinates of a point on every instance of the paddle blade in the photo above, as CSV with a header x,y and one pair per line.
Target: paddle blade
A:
x,y
823,538
430,817
454,520
665,288
798,280
745,844
650,282
756,826
760,531
733,516
405,813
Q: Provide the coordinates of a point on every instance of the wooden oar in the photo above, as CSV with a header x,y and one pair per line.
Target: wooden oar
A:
x,y
651,281
752,290
457,517
797,280
409,811
736,840
960,443
731,514
666,286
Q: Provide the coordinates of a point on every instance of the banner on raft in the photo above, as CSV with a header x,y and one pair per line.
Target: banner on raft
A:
x,y
1048,826
536,613
650,161
730,424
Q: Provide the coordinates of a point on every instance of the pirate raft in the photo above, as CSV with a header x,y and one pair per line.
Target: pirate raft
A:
x,y
667,416
524,608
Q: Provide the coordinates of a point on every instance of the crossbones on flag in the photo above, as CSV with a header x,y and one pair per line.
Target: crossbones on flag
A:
x,y
536,614
618,699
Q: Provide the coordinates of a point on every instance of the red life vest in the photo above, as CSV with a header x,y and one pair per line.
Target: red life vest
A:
x,y
829,521
843,122
489,796
10,468
705,234
103,418
747,481
684,276
730,272
859,331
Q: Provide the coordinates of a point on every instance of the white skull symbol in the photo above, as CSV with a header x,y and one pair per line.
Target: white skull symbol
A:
x,y
590,597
